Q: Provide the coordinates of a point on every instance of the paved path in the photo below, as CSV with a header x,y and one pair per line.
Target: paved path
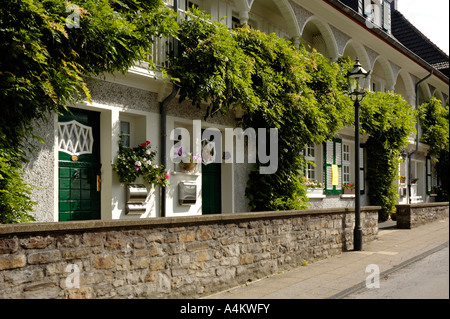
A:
x,y
338,276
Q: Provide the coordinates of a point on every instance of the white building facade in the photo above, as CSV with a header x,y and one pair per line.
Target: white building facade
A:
x,y
132,104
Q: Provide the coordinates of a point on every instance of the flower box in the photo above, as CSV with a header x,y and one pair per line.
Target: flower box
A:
x,y
349,191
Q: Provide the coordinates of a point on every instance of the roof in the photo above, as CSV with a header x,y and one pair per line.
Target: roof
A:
x,y
405,33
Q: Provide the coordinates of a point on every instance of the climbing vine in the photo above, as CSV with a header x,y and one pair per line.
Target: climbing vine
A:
x,y
434,118
435,125
295,91
389,120
45,60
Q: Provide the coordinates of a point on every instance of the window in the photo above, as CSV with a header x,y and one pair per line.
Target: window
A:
x,y
310,157
386,15
190,5
333,166
236,23
431,181
339,167
377,11
346,163
125,133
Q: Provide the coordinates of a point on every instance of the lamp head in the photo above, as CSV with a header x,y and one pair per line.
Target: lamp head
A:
x,y
358,79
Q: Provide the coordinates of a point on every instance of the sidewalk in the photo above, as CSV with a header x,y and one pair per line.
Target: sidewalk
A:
x,y
340,275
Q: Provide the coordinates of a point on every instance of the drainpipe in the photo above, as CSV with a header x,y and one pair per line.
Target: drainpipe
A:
x,y
417,129
163,112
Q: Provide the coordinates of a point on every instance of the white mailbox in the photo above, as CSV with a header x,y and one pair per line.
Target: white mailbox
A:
x,y
187,193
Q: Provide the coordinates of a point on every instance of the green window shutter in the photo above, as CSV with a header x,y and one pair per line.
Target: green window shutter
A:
x,y
362,170
333,156
428,173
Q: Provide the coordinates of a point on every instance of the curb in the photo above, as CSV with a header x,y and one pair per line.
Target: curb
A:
x,y
385,273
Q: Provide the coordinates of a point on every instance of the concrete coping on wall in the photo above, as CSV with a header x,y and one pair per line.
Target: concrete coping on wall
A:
x,y
423,205
166,221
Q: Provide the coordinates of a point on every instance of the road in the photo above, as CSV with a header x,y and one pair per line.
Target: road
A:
x,y
427,278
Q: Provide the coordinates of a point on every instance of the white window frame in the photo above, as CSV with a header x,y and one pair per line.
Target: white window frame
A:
x,y
347,169
311,165
127,134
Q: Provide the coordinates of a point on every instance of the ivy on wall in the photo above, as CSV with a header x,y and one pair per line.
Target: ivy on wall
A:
x,y
293,90
300,93
44,59
434,118
435,125
389,120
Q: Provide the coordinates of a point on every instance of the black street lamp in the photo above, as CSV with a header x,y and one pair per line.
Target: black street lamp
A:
x,y
358,81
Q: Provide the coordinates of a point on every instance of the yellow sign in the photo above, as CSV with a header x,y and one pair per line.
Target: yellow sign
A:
x,y
334,175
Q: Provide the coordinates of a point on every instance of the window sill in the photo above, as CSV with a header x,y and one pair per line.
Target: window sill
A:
x,y
312,196
186,173
347,196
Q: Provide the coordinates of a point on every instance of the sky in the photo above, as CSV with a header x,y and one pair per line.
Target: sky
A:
x,y
431,17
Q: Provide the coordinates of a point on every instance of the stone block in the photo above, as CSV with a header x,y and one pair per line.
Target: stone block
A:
x,y
44,257
139,243
8,245
204,233
36,242
157,264
93,239
203,256
79,293
140,263
76,253
187,237
197,246
170,239
115,240
68,241
247,259
104,262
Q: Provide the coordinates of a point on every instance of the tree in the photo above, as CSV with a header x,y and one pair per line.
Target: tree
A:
x,y
49,47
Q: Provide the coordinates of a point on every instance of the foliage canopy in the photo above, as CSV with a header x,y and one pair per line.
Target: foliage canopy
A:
x,y
279,86
389,120
44,61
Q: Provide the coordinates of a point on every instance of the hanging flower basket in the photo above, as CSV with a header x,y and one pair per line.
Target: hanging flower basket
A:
x,y
133,163
187,167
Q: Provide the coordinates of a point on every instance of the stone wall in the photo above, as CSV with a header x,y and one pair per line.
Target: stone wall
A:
x,y
182,257
414,215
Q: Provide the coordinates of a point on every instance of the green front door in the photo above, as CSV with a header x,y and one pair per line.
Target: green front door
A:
x,y
211,189
79,165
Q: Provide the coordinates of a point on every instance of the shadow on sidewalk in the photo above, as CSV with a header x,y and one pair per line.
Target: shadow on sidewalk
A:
x,y
389,224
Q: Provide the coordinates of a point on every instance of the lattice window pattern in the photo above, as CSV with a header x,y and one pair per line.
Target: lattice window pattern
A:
x,y
75,138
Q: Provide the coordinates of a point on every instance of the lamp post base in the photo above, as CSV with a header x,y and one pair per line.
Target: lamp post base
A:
x,y
357,240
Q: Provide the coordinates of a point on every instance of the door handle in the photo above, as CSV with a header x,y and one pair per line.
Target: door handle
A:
x,y
99,183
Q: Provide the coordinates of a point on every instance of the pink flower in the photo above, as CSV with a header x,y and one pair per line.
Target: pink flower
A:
x,y
137,169
167,176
